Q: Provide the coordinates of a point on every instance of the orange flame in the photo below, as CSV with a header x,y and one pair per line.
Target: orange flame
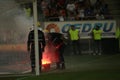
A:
x,y
45,61
50,55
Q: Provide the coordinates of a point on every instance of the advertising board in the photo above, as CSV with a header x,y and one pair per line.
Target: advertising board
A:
x,y
108,27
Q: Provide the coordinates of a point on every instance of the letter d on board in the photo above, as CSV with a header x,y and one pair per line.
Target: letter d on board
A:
x,y
86,27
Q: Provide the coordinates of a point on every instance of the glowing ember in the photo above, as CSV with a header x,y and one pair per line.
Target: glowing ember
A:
x,y
46,58
50,55
45,62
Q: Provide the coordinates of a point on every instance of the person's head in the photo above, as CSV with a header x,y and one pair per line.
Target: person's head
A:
x,y
39,28
97,27
72,27
32,28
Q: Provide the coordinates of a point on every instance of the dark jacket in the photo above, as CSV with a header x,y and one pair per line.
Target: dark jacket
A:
x,y
31,43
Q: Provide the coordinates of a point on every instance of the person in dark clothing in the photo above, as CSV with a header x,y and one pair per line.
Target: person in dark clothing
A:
x,y
57,40
31,47
60,47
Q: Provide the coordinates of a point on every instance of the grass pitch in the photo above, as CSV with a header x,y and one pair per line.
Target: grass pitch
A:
x,y
81,67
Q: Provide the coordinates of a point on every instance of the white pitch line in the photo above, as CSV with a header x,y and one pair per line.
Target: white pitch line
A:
x,y
21,78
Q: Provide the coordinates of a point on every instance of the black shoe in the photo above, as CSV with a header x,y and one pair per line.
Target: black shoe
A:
x,y
58,65
33,71
63,66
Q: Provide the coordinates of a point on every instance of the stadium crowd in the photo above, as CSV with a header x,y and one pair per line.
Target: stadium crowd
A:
x,y
62,10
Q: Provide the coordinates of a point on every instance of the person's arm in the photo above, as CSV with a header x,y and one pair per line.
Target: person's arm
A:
x,y
101,32
69,37
28,42
79,34
43,41
92,33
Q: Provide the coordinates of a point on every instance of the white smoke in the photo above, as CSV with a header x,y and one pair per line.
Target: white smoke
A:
x,y
14,24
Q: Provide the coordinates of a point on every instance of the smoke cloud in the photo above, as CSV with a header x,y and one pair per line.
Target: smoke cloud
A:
x,y
14,25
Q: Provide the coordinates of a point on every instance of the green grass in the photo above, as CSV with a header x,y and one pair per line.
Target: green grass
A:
x,y
85,67
78,75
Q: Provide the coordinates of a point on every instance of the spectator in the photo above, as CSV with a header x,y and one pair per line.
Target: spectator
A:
x,y
87,3
70,8
62,15
54,14
44,5
53,3
92,2
28,10
89,13
99,16
71,17
61,4
104,10
46,14
81,2
81,13
98,4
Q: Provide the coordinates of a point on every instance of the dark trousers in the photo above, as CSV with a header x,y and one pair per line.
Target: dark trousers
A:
x,y
61,63
97,46
32,58
76,47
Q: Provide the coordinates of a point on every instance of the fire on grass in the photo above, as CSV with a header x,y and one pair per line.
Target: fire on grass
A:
x,y
50,55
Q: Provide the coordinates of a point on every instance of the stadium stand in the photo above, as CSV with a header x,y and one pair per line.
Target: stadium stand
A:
x,y
54,10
